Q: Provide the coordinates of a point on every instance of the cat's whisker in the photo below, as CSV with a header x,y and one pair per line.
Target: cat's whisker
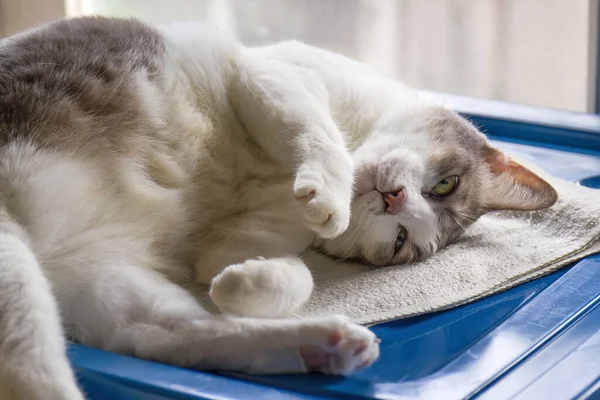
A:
x,y
465,232
468,217
471,219
351,249
458,222
354,241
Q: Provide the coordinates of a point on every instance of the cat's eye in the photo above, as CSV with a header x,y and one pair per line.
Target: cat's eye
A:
x,y
400,239
446,186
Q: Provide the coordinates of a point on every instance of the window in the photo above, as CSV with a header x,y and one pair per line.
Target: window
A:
x,y
536,52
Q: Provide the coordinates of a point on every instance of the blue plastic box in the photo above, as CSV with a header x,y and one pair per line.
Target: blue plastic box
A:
x,y
540,340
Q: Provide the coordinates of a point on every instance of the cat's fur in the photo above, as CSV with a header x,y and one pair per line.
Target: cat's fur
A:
x,y
133,159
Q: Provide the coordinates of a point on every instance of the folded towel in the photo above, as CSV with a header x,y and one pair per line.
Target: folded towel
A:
x,y
499,251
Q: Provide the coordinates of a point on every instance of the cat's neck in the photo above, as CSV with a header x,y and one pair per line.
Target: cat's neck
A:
x,y
396,104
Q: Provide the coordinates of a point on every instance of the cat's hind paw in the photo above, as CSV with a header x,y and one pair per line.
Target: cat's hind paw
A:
x,y
339,347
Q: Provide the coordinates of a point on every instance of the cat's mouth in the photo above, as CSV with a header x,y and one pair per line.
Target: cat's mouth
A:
x,y
374,201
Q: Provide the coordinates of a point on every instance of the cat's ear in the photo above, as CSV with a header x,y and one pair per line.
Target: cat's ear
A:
x,y
512,186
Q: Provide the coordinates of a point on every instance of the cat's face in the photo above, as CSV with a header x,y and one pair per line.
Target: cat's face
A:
x,y
420,180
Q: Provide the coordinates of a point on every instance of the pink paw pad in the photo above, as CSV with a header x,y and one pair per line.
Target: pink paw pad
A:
x,y
314,359
327,359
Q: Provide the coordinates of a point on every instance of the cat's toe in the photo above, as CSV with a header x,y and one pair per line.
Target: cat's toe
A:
x,y
344,348
325,202
327,215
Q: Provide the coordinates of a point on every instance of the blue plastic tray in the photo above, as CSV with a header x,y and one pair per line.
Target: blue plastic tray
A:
x,y
540,340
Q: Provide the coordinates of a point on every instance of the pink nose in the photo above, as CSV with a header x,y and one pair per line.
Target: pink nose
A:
x,y
395,201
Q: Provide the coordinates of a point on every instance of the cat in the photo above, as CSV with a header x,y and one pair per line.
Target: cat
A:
x,y
136,160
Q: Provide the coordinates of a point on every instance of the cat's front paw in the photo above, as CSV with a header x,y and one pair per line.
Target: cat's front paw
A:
x,y
338,346
325,193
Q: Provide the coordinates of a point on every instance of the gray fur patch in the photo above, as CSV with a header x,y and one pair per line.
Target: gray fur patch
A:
x,y
70,84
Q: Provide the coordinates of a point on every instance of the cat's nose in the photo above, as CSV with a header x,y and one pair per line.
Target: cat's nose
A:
x,y
395,201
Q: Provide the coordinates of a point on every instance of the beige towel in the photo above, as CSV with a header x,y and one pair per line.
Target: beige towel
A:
x,y
499,251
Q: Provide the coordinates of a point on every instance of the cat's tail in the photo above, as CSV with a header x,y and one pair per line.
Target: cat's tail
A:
x,y
33,360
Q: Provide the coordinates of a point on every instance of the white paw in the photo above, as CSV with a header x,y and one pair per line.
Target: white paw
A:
x,y
262,288
325,193
334,345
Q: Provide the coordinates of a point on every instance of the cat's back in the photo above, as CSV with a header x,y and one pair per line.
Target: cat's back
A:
x,y
76,83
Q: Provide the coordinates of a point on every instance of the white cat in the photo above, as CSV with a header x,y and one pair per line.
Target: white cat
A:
x,y
134,160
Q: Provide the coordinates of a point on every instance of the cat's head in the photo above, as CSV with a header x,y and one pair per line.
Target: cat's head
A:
x,y
421,178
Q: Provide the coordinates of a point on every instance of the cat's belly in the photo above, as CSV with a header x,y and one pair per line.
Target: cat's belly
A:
x,y
79,215
258,217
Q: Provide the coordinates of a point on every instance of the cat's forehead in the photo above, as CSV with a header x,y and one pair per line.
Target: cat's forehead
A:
x,y
446,127
452,141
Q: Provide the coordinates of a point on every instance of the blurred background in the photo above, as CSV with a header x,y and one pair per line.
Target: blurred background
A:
x,y
535,52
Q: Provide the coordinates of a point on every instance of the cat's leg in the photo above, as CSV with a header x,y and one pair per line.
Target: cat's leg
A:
x,y
264,288
33,360
285,111
138,311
